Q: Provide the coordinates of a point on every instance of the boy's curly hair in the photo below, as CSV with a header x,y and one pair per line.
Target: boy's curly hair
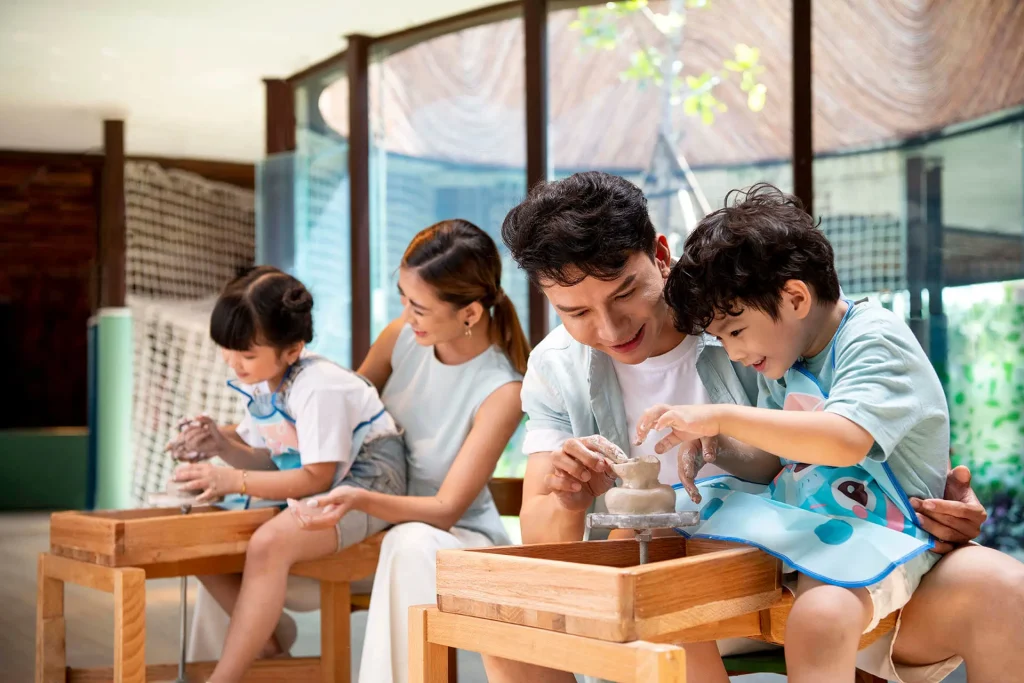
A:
x,y
742,256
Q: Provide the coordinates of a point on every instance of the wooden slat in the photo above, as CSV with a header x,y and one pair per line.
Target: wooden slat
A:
x,y
182,537
335,635
742,626
686,592
350,564
539,583
613,553
200,566
50,627
296,670
609,627
428,662
129,626
79,573
614,661
85,537
507,494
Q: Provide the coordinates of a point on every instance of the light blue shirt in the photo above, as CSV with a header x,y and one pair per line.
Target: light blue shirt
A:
x,y
435,404
572,388
884,382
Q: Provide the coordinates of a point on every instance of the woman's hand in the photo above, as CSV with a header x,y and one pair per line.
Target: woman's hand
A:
x,y
323,512
214,482
198,439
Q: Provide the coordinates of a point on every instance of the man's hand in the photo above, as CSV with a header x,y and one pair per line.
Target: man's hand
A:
x,y
956,519
580,471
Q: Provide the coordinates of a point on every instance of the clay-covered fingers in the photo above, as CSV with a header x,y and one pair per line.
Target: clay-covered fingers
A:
x,y
648,421
689,460
581,459
599,444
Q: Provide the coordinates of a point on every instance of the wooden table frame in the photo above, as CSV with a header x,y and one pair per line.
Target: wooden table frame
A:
x,y
128,586
432,633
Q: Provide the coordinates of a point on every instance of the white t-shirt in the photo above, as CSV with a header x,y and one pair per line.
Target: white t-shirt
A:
x,y
670,378
327,403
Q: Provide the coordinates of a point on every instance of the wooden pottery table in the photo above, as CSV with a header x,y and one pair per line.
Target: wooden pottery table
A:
x,y
117,551
591,608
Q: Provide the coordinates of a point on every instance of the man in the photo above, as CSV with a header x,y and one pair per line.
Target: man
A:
x,y
588,242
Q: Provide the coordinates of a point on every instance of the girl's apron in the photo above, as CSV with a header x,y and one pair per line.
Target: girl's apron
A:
x,y
847,526
276,426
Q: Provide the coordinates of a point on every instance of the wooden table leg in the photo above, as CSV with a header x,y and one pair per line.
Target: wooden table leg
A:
x,y
661,666
50,627
129,625
335,632
428,662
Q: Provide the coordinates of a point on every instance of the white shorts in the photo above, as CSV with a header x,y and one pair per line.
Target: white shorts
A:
x,y
888,595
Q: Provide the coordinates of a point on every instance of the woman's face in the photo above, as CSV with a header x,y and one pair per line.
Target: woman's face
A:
x,y
432,320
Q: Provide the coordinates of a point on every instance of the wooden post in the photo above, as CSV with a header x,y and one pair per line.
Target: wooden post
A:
x,y
280,101
803,104
535,18
50,627
130,626
335,635
428,662
357,60
659,665
112,225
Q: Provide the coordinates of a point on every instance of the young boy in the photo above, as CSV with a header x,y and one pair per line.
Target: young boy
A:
x,y
847,400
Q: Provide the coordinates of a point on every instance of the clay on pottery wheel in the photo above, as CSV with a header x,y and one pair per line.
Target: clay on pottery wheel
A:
x,y
640,493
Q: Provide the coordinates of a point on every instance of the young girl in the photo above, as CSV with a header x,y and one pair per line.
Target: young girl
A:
x,y
311,426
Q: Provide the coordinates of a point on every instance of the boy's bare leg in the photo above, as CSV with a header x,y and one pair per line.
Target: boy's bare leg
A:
x,y
970,604
823,631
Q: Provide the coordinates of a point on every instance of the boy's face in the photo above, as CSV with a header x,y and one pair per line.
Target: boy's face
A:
x,y
625,318
755,339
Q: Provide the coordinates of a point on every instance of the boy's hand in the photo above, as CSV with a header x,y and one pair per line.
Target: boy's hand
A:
x,y
691,457
688,423
580,471
214,482
956,519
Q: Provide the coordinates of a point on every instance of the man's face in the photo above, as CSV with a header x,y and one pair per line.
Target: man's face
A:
x,y
624,317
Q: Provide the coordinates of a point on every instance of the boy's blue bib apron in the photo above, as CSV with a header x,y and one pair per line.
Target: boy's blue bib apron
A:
x,y
276,427
847,526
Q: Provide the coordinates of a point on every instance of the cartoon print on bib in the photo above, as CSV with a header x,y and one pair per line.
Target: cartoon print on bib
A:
x,y
847,526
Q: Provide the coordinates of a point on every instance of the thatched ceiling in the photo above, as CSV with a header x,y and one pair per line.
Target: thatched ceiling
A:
x,y
883,70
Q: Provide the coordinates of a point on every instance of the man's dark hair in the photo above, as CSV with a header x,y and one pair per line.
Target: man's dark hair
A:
x,y
586,225
742,256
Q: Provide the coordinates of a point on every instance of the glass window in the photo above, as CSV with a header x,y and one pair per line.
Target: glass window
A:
x,y
919,184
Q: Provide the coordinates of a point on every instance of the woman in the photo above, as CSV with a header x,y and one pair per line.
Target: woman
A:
x,y
449,371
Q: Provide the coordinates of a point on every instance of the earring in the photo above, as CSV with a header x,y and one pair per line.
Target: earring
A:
x,y
469,330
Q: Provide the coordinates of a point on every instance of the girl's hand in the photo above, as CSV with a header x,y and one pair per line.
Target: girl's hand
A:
x,y
214,482
323,512
198,439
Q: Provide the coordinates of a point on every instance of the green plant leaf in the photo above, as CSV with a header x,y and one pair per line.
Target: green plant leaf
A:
x,y
733,65
707,117
757,97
